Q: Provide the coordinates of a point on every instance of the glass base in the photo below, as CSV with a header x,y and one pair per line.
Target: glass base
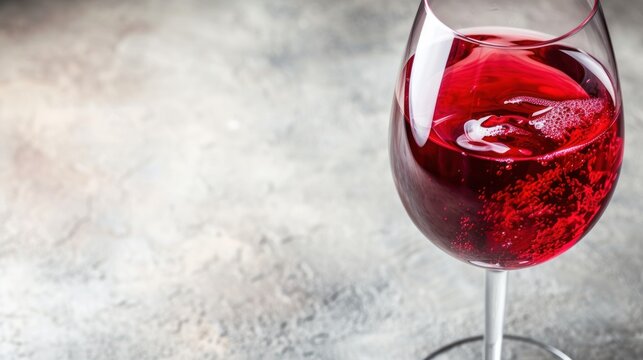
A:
x,y
514,347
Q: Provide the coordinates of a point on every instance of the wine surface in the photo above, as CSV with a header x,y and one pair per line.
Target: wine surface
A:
x,y
521,153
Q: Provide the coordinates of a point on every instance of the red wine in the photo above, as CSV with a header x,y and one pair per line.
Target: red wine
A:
x,y
520,157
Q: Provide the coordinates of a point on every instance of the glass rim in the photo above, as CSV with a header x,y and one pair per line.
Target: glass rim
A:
x,y
536,44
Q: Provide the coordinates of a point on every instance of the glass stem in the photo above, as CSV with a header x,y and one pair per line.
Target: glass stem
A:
x,y
495,296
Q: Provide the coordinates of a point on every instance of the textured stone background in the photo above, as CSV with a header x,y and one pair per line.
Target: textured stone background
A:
x,y
209,180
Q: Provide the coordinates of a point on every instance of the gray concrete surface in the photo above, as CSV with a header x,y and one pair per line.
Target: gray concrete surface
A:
x,y
209,180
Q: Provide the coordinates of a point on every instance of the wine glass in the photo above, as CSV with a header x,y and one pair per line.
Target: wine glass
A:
x,y
506,136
